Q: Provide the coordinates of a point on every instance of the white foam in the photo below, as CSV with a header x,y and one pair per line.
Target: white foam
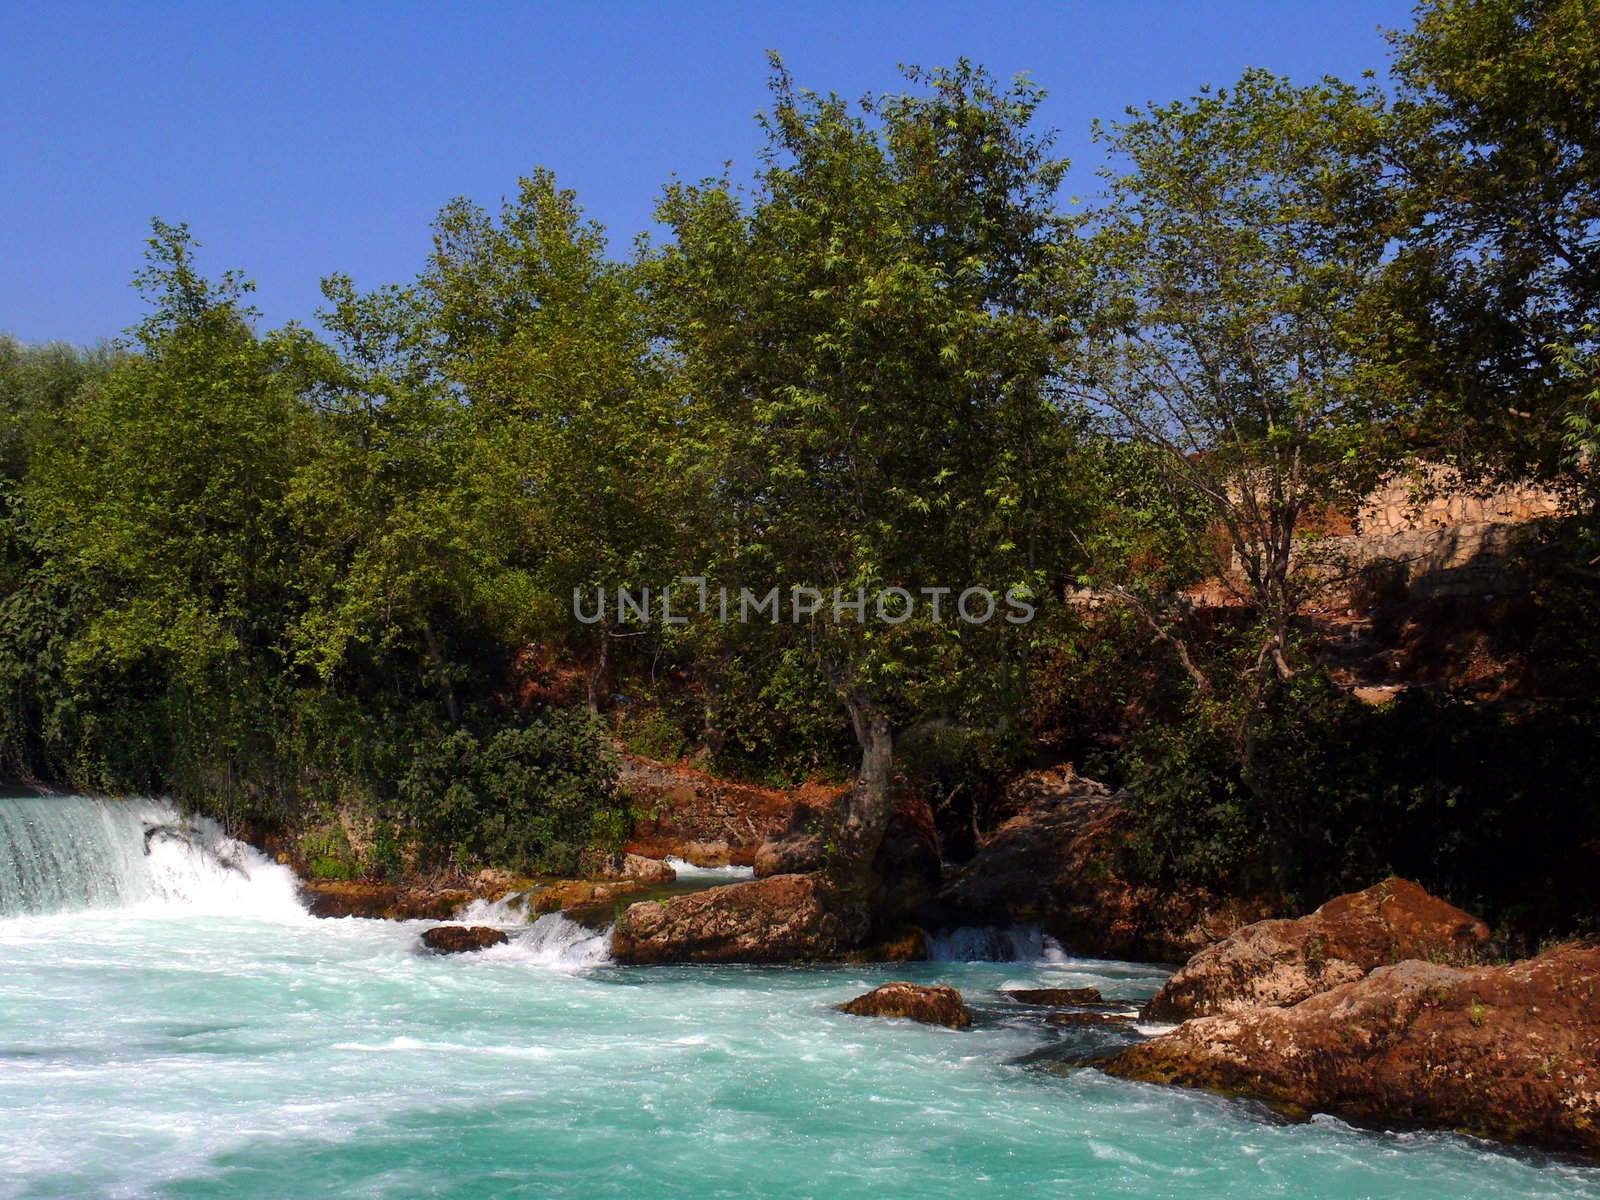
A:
x,y
208,872
687,871
993,943
556,940
71,853
508,911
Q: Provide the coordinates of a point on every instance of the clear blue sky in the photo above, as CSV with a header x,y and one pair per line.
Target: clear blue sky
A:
x,y
299,139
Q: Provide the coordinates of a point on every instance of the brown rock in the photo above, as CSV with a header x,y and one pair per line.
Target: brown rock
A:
x,y
1283,962
1088,1018
930,1005
1083,995
907,944
577,893
783,918
637,867
704,820
348,898
1508,1052
647,870
796,854
1055,864
907,867
461,939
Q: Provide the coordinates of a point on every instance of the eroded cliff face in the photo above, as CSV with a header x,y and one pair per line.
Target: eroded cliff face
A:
x,y
708,821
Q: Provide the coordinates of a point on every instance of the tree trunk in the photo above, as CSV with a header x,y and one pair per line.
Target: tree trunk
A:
x,y
867,807
598,671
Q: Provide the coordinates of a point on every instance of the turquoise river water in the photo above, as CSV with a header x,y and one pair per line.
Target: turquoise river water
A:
x,y
172,1024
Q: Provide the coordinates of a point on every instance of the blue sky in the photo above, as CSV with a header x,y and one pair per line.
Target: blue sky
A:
x,y
299,139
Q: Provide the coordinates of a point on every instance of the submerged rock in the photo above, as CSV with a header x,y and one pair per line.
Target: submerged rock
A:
x,y
462,939
1283,962
1055,864
1508,1052
783,918
914,1002
1088,1018
1055,996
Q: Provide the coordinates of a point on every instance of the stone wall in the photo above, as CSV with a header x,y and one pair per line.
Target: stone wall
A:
x,y
1463,560
1434,498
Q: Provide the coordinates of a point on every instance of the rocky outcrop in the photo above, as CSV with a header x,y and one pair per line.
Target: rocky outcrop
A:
x,y
907,866
1283,962
462,939
907,861
635,867
1056,864
793,854
385,901
577,893
704,820
1510,1052
909,943
1055,996
913,1002
783,918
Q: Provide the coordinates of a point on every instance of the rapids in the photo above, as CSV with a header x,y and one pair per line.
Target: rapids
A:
x,y
173,1025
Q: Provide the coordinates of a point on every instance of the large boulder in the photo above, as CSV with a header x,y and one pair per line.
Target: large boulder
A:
x,y
462,939
1510,1052
1056,864
783,918
913,1002
1283,962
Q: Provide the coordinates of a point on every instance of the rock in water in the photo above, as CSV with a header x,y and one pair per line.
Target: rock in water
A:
x,y
1507,1052
353,898
1088,1018
783,918
914,1002
1283,962
1083,995
462,939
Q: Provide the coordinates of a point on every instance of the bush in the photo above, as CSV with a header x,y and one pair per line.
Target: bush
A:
x,y
529,798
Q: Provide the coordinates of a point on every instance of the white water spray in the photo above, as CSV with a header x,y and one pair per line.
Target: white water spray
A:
x,y
688,872
62,853
990,943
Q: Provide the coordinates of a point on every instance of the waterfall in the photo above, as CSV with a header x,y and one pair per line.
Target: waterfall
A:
x,y
990,943
61,853
556,940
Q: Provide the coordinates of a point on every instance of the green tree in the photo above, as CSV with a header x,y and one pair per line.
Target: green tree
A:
x,y
868,342
1236,257
157,516
1497,135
